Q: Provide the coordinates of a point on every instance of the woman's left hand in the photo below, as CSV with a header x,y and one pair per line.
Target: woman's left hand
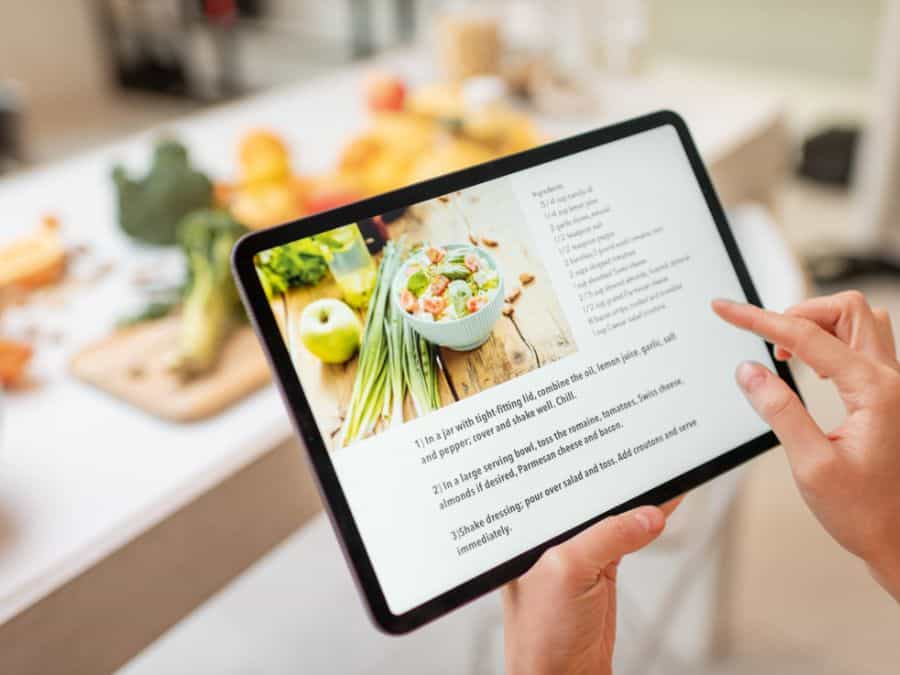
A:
x,y
560,616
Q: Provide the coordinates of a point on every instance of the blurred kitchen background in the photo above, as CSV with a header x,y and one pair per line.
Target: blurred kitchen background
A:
x,y
150,526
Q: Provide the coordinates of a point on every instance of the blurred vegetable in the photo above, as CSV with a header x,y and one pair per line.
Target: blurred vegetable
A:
x,y
14,357
264,158
35,259
298,263
151,207
267,192
385,92
211,306
263,205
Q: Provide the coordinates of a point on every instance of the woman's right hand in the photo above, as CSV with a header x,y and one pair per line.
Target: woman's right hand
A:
x,y
850,477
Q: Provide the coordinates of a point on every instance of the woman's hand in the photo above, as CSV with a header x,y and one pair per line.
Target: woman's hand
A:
x,y
850,477
560,616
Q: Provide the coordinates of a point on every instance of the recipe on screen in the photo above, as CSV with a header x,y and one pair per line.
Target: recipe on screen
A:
x,y
495,366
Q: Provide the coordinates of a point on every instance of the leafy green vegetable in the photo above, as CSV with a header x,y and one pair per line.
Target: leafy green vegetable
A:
x,y
453,271
298,263
417,282
211,306
151,207
328,241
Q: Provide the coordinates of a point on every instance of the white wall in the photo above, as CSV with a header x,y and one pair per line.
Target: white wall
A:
x,y
51,47
824,38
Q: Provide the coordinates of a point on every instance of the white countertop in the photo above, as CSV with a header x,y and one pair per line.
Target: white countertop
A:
x,y
82,473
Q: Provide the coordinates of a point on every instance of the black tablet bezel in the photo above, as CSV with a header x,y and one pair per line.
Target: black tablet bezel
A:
x,y
299,408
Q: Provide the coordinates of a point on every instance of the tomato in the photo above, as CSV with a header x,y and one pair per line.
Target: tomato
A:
x,y
385,92
475,303
408,301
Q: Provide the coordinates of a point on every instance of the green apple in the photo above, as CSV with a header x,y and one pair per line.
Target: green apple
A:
x,y
330,330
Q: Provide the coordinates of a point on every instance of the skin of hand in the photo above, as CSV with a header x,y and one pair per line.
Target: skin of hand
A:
x,y
560,616
849,477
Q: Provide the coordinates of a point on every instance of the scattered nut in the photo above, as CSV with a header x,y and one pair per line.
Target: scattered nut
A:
x,y
514,294
507,310
487,241
473,239
526,278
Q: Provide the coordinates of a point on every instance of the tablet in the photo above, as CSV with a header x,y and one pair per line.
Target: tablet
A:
x,y
483,364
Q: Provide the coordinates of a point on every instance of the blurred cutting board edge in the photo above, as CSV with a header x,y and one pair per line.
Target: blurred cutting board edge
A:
x,y
131,364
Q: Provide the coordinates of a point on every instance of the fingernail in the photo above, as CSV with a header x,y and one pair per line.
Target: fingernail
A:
x,y
643,520
649,519
750,375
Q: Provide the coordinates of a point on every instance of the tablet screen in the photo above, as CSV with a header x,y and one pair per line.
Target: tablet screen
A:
x,y
493,367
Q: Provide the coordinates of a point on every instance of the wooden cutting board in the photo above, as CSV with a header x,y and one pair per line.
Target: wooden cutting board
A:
x,y
131,364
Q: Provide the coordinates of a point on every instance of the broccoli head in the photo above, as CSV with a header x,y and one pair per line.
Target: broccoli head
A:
x,y
211,307
151,207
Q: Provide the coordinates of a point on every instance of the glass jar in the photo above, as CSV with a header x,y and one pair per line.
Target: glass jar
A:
x,y
351,265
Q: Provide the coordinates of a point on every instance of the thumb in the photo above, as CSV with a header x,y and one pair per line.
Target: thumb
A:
x,y
613,537
782,410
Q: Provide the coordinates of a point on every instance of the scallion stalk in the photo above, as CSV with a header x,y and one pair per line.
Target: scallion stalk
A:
x,y
420,370
393,410
371,383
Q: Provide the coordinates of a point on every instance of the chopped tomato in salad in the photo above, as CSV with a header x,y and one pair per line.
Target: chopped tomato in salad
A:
x,y
409,302
445,284
435,255
476,303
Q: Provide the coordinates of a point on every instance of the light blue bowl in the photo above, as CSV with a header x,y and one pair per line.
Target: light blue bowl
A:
x,y
463,334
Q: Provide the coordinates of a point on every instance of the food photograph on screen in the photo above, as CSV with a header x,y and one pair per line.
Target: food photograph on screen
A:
x,y
399,315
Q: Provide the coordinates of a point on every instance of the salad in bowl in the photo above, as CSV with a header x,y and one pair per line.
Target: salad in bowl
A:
x,y
452,295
